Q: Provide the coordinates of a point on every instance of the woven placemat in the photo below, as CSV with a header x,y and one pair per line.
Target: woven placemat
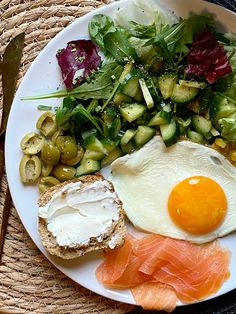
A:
x,y
28,282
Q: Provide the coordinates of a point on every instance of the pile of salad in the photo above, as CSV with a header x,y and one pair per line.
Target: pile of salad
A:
x,y
131,80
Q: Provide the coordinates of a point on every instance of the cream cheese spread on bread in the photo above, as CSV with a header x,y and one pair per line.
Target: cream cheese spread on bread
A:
x,y
77,212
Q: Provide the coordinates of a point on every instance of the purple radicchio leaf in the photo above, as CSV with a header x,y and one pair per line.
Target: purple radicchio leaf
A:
x,y
77,61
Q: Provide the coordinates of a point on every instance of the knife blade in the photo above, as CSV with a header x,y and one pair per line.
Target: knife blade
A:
x,y
9,69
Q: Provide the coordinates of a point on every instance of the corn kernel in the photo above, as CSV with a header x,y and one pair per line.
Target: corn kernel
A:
x,y
232,155
220,142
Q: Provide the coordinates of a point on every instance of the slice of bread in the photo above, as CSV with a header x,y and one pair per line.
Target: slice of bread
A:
x,y
114,235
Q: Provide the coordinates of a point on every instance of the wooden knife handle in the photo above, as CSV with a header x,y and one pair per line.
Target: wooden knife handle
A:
x,y
5,216
1,164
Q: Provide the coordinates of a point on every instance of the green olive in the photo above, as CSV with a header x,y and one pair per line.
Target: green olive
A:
x,y
50,153
30,169
63,173
46,183
32,143
67,146
55,136
46,169
74,161
46,124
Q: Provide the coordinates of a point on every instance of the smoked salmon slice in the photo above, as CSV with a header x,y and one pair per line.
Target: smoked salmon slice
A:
x,y
115,262
168,268
155,296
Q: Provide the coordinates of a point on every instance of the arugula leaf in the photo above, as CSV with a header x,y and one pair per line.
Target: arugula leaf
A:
x,y
80,111
71,110
118,45
64,113
99,85
181,34
142,31
99,25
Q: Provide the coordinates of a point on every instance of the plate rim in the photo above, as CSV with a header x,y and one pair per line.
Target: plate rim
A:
x,y
65,30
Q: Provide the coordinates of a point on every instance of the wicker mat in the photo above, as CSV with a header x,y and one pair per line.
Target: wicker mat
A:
x,y
28,282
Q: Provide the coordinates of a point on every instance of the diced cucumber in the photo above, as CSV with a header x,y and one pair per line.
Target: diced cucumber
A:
x,y
128,148
131,112
92,143
214,132
167,108
166,83
195,136
193,84
201,125
182,94
220,108
169,133
121,98
131,86
129,134
127,69
183,124
143,135
113,155
87,167
91,154
153,91
109,144
162,117
146,94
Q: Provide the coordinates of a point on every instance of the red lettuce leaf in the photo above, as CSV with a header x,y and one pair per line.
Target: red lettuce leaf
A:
x,y
207,57
77,61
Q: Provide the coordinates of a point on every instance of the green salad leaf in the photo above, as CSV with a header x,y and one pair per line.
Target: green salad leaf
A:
x,y
228,128
142,31
99,85
98,27
181,34
70,109
118,45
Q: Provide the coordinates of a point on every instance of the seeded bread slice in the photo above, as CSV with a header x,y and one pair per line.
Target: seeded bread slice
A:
x,y
116,234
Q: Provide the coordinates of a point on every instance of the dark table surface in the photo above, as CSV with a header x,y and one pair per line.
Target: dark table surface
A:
x,y
225,304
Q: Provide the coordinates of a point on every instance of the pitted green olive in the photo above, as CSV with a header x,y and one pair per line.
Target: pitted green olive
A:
x,y
46,169
32,143
67,146
46,124
30,169
46,183
74,161
63,173
50,153
55,136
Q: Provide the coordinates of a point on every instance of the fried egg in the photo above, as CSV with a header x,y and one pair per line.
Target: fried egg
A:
x,y
186,191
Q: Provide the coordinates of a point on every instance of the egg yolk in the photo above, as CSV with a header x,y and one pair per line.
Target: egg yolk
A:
x,y
197,205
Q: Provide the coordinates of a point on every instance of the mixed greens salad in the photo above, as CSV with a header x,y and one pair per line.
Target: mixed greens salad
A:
x,y
130,80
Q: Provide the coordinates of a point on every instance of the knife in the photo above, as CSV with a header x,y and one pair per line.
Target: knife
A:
x,y
9,69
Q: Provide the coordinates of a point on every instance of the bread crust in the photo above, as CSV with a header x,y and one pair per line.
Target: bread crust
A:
x,y
116,234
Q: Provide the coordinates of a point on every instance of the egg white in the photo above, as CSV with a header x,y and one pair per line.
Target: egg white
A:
x,y
145,178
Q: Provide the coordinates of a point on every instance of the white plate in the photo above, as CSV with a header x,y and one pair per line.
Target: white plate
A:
x,y
44,76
